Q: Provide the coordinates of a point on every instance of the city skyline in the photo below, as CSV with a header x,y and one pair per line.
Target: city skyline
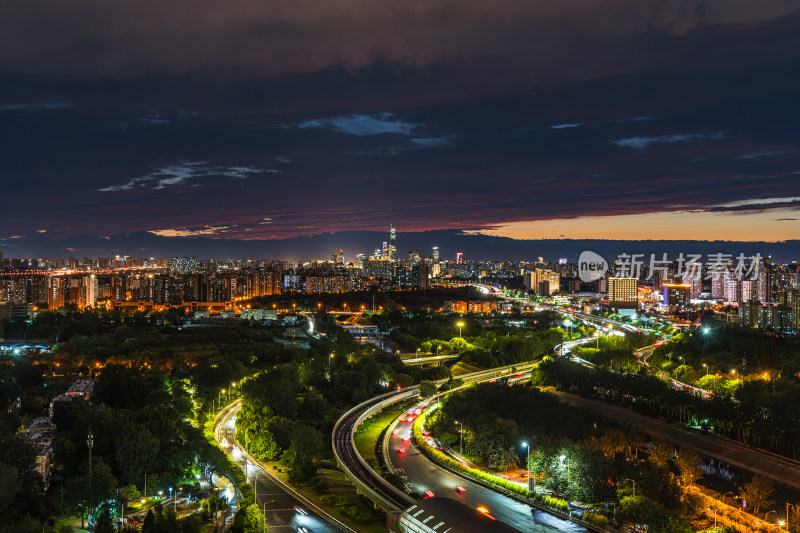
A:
x,y
649,122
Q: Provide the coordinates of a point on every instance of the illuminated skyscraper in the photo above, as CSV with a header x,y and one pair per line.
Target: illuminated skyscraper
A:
x,y
435,254
392,242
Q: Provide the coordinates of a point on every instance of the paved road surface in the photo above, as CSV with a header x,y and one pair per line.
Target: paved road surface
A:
x,y
781,470
280,505
429,476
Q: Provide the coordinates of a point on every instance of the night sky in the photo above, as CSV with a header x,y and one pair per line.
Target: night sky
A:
x,y
210,122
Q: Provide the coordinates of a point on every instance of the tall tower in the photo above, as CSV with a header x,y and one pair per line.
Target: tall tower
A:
x,y
392,242
435,254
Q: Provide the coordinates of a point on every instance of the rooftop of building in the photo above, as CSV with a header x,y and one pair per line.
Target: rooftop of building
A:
x,y
81,386
42,441
43,422
357,320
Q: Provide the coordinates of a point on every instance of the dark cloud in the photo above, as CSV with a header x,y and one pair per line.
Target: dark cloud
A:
x,y
572,39
295,118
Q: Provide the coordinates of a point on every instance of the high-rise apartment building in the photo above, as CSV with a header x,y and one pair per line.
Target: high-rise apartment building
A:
x,y
676,296
623,293
544,282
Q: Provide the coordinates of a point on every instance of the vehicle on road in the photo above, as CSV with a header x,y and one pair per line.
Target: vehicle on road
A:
x,y
484,511
460,489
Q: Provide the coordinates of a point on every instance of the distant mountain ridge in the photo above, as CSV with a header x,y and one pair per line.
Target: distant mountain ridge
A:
x,y
473,247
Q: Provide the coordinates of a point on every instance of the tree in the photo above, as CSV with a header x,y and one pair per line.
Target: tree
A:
x,y
249,520
8,486
402,380
170,520
640,511
794,517
136,448
299,458
756,493
130,493
688,463
149,524
103,523
427,389
191,524
659,453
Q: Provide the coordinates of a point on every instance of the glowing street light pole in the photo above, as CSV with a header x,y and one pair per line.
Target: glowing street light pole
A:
x,y
460,326
265,514
715,516
90,444
531,481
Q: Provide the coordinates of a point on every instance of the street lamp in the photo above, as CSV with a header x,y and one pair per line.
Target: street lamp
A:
x,y
460,438
706,367
90,444
531,481
715,516
265,514
634,485
460,325
561,458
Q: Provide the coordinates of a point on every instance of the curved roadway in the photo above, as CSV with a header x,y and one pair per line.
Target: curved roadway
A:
x,y
346,450
427,475
284,510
